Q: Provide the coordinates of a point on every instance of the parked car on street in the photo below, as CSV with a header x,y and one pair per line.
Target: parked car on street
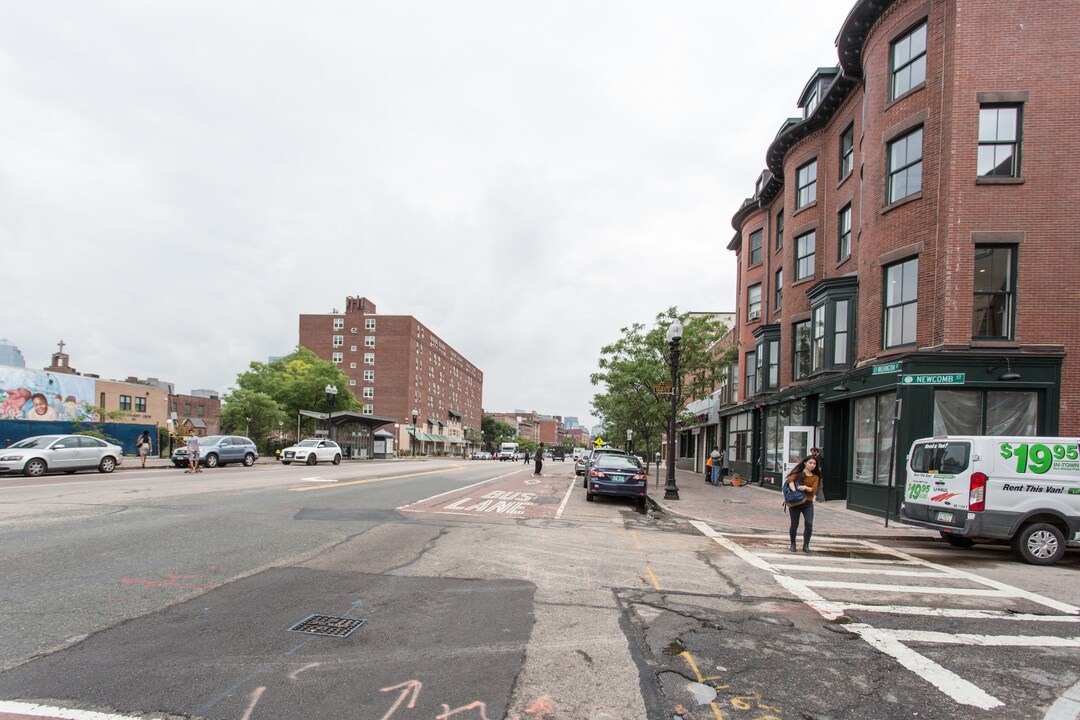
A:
x,y
219,451
594,455
35,456
312,452
618,475
481,455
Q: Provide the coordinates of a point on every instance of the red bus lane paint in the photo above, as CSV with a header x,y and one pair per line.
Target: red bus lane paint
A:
x,y
511,496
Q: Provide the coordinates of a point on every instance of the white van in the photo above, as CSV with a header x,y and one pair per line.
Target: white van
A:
x,y
975,488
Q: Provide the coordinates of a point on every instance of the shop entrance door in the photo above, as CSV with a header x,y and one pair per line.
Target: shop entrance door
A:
x,y
798,440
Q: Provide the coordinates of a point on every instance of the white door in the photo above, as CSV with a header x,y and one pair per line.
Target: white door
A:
x,y
797,444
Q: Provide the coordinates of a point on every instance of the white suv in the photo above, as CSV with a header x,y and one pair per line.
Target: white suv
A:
x,y
311,452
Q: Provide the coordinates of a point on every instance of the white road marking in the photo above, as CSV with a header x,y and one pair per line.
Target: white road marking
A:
x,y
450,492
317,479
891,642
867,561
35,710
929,636
566,498
920,611
861,571
944,680
914,589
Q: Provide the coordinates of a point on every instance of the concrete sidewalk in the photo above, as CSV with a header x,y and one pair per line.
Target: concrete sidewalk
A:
x,y
754,509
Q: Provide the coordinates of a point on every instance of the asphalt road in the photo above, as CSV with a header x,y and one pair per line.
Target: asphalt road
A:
x,y
485,592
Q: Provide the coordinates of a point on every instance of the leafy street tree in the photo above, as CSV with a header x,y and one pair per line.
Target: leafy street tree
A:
x,y
474,437
633,368
496,432
251,413
295,382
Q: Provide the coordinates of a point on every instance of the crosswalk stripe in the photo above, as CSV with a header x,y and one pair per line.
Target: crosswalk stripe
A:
x,y
929,636
916,589
866,561
969,613
862,571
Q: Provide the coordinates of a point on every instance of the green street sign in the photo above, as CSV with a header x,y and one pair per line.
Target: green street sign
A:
x,y
883,369
945,379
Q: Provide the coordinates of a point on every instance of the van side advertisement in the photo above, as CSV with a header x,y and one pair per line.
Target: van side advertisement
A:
x,y
1039,459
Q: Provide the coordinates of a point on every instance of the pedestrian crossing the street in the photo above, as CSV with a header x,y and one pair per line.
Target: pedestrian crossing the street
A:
x,y
861,594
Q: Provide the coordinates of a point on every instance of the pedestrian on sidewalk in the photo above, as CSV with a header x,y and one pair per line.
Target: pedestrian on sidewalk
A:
x,y
816,454
144,446
714,460
539,459
708,469
804,477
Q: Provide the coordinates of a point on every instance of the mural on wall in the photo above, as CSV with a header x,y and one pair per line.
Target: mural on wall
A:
x,y
39,395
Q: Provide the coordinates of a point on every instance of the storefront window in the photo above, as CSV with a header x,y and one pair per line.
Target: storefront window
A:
x,y
777,418
771,452
985,412
873,438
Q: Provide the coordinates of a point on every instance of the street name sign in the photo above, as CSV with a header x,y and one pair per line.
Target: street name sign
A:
x,y
662,388
883,369
929,379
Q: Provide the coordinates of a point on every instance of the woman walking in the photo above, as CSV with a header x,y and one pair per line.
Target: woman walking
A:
x,y
144,446
804,478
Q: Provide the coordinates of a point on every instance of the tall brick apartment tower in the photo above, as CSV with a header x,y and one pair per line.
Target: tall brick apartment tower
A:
x,y
907,255
397,367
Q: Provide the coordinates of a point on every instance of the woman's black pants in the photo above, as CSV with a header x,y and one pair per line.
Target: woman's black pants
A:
x,y
805,511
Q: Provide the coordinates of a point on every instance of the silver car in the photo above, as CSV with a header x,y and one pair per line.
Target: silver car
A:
x,y
42,454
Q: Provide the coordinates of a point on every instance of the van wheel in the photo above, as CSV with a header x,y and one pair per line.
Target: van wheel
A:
x,y
957,541
1039,544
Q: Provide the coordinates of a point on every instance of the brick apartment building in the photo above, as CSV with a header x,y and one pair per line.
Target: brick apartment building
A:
x,y
199,412
908,242
398,368
531,425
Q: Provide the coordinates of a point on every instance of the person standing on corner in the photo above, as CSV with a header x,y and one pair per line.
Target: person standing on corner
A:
x,y
539,459
526,456
803,477
816,454
144,446
714,460
192,443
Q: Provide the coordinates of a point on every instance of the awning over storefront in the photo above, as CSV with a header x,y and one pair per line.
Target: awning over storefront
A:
x,y
454,413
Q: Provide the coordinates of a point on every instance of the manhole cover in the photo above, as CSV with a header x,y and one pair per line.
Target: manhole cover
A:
x,y
327,625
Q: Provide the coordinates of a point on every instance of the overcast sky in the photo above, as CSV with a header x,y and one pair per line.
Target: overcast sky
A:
x,y
180,181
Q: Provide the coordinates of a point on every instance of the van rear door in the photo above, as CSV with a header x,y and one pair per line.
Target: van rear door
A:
x,y
939,487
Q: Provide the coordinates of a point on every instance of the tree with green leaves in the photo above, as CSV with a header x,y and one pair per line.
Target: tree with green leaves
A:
x,y
635,369
496,432
292,383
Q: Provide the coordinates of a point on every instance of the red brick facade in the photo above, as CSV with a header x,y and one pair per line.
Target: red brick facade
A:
x,y
978,57
408,367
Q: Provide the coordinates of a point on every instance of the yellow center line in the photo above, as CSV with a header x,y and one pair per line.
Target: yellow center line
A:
x,y
652,578
372,480
637,542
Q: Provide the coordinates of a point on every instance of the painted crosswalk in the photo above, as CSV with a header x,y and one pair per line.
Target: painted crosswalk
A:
x,y
863,571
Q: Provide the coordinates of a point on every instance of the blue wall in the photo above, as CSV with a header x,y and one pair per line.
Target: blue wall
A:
x,y
127,434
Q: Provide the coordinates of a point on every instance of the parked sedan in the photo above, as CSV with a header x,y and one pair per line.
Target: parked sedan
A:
x,y
42,454
312,452
220,450
618,475
592,458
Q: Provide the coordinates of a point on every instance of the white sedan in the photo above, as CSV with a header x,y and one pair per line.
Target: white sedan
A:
x,y
311,452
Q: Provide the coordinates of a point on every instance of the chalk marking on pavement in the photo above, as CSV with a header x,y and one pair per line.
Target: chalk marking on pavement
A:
x,y
566,498
255,695
378,479
861,571
944,680
35,710
930,636
652,578
1014,591
914,589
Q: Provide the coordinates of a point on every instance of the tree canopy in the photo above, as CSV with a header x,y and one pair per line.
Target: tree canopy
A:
x,y
274,392
634,369
496,432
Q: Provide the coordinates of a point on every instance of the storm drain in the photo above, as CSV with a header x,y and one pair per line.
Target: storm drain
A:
x,y
328,625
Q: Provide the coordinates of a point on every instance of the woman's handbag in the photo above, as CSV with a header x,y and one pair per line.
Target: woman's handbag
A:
x,y
792,497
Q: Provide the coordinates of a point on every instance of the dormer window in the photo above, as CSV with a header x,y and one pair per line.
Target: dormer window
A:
x,y
811,103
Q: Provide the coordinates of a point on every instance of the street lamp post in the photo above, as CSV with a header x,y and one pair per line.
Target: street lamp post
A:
x,y
331,398
412,438
674,335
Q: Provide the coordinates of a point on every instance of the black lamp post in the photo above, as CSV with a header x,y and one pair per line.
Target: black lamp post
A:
x,y
331,398
674,335
412,439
